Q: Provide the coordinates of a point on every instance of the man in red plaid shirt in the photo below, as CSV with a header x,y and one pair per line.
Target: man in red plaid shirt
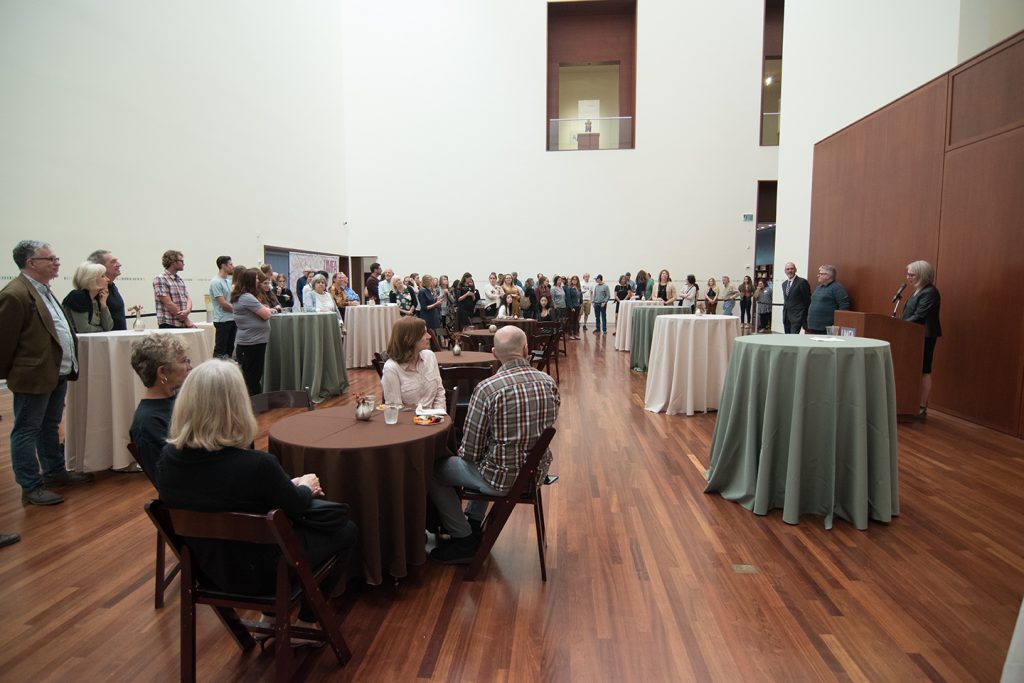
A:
x,y
173,304
507,413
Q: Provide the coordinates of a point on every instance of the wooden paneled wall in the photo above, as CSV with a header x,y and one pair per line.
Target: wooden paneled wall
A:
x,y
938,175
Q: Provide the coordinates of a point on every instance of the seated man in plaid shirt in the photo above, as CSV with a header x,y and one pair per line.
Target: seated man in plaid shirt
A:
x,y
507,413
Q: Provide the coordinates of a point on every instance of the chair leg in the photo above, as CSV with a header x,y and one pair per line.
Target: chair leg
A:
x,y
188,630
539,515
159,580
233,623
495,522
538,518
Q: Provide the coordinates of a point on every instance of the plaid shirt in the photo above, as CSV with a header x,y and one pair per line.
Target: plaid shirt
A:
x,y
169,284
507,413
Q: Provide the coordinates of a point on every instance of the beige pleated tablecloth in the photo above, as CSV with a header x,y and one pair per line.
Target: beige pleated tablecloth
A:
x,y
688,363
100,405
369,329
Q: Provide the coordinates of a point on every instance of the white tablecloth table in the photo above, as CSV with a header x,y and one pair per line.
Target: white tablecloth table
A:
x,y
101,403
689,359
211,333
369,329
624,318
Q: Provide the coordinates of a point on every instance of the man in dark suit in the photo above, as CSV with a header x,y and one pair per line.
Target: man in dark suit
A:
x,y
37,358
796,297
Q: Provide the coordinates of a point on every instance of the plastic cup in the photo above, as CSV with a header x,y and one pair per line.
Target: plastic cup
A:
x,y
391,414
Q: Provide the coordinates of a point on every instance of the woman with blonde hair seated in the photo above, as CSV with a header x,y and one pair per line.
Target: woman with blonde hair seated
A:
x,y
411,376
207,466
86,305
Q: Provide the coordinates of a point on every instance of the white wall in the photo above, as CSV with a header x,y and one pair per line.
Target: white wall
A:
x,y
983,23
446,168
841,61
144,125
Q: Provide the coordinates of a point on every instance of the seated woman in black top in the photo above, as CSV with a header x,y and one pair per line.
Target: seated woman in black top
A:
x,y
208,467
161,362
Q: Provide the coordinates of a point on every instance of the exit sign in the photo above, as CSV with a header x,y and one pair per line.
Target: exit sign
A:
x,y
748,217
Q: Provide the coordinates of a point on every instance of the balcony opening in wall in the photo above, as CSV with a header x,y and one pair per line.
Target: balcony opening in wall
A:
x,y
771,73
588,107
591,75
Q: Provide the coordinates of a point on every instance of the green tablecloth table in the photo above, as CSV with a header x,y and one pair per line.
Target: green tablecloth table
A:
x,y
306,350
642,332
810,427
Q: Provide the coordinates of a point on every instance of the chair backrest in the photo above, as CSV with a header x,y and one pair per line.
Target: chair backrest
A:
x,y
134,450
273,528
528,471
270,400
465,377
550,348
451,400
378,363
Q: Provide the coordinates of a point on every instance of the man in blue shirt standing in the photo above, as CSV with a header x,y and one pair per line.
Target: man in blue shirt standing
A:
x,y
829,297
223,315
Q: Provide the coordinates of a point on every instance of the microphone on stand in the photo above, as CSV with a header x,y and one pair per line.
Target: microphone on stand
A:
x,y
899,293
897,297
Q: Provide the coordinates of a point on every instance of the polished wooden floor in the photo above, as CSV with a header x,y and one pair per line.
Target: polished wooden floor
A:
x,y
649,578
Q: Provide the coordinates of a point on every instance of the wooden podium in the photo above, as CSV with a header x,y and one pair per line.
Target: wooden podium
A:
x,y
906,340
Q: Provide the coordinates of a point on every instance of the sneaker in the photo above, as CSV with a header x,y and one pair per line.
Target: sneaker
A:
x,y
66,478
456,551
40,495
597,331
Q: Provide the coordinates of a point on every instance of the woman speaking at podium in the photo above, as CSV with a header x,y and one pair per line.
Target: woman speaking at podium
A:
x,y
923,308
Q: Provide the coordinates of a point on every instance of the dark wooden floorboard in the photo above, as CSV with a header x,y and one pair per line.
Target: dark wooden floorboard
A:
x,y
641,565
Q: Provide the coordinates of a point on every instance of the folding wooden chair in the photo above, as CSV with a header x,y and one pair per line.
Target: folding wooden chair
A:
x,y
296,581
465,377
525,491
267,401
548,356
161,578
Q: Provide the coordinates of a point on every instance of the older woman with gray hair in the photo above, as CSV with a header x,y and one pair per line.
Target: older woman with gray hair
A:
x,y
923,308
161,361
86,305
828,297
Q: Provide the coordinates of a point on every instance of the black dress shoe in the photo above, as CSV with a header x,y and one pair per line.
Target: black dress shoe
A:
x,y
9,539
66,478
456,551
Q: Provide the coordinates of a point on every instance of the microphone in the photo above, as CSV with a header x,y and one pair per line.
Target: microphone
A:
x,y
899,293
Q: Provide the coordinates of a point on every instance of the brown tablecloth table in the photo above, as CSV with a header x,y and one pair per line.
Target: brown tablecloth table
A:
x,y
448,359
481,338
382,471
527,325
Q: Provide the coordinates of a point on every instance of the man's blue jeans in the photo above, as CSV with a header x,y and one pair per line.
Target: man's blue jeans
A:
x,y
601,317
727,306
451,472
36,419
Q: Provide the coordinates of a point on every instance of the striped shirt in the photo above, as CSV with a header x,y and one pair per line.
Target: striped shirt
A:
x,y
507,413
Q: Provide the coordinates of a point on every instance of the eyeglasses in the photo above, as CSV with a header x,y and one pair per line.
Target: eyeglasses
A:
x,y
51,259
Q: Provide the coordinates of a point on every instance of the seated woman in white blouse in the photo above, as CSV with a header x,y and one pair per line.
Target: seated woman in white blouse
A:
x,y
411,376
